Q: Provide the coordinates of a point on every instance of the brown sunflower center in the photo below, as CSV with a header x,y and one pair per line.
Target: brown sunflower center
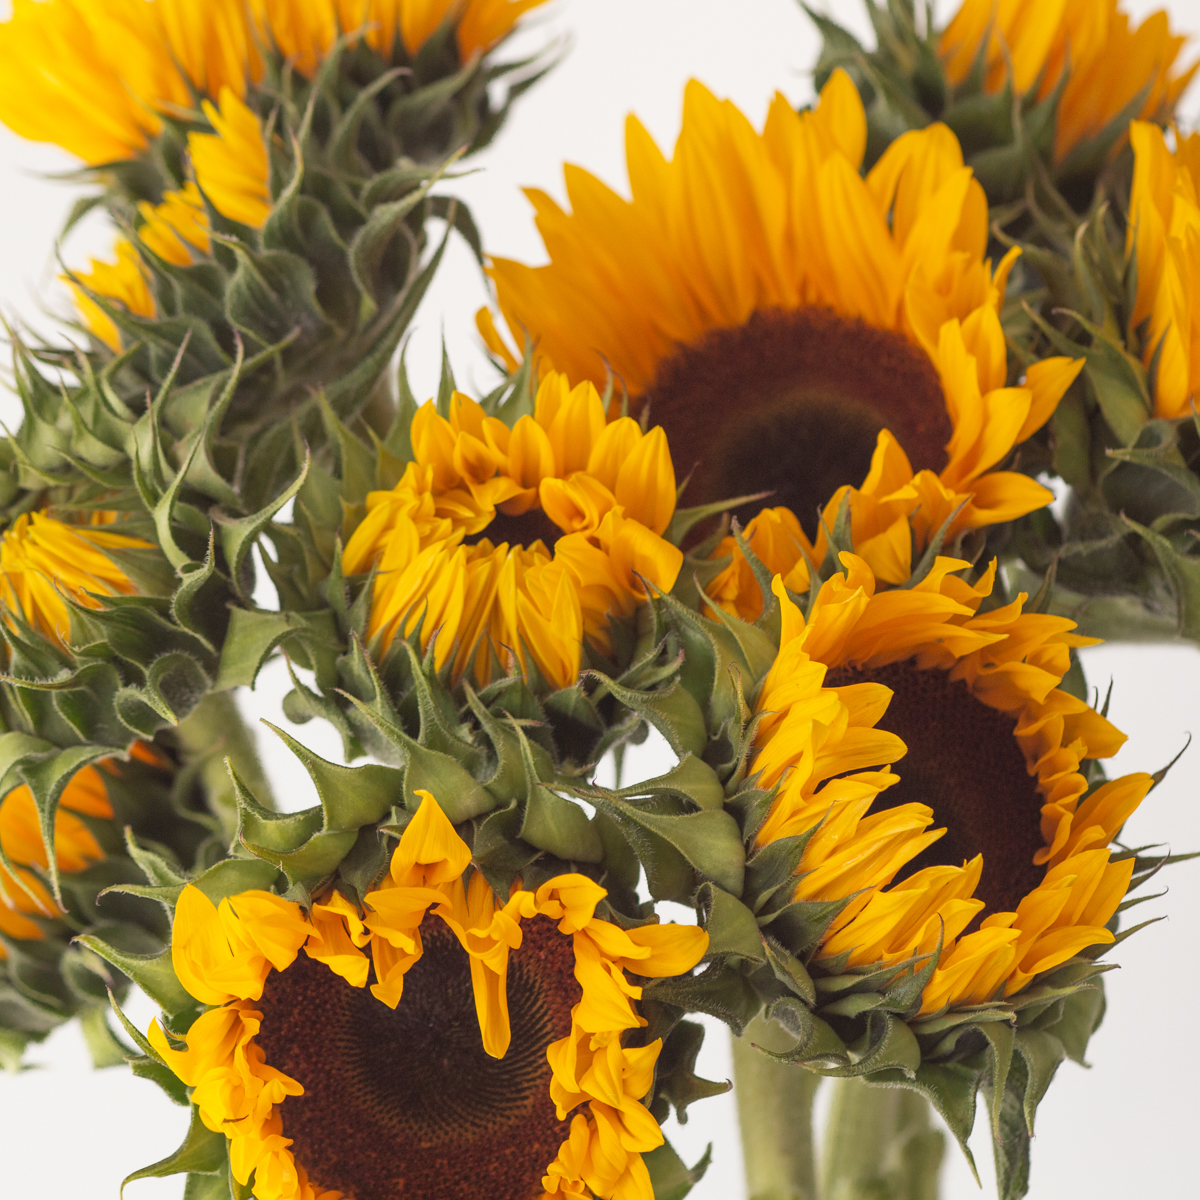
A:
x,y
963,762
523,530
405,1102
791,402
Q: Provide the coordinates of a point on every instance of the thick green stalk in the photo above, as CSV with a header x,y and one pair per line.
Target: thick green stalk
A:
x,y
880,1144
211,732
775,1104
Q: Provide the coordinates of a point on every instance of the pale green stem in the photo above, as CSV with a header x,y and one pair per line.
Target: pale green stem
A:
x,y
212,731
880,1144
775,1105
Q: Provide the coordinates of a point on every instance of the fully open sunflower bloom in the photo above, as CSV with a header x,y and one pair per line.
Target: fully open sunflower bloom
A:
x,y
993,750
512,546
1104,63
98,77
774,311
436,1041
44,561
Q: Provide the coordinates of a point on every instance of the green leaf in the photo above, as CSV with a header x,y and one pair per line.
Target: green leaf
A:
x,y
251,637
1042,1053
153,973
553,824
1011,1143
350,796
669,1177
691,778
673,711
1001,1038
202,1153
1183,575
709,841
233,875
103,1045
238,534
206,1187
732,930
271,294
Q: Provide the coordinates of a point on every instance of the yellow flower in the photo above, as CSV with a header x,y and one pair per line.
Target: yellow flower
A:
x,y
304,31
231,165
1109,64
328,1089
1164,240
1017,876
175,230
43,562
512,545
22,893
123,282
774,311
88,76
93,76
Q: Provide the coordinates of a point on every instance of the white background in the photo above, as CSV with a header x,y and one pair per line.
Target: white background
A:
x,y
1127,1127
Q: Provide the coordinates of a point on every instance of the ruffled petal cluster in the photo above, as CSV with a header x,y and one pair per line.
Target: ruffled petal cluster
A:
x,y
223,954
605,488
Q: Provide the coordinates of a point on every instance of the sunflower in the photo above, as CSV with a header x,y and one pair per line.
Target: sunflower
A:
x,y
177,231
45,562
99,78
1163,241
231,171
493,1052
988,835
23,896
512,546
1088,47
774,311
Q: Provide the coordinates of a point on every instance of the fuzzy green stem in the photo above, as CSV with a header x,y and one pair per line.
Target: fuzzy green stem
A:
x,y
775,1104
880,1144
211,732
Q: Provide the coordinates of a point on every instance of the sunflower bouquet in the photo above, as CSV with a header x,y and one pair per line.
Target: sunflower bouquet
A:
x,y
819,457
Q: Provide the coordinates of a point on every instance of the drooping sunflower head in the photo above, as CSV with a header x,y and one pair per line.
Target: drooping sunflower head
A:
x,y
44,563
775,312
424,1037
509,547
